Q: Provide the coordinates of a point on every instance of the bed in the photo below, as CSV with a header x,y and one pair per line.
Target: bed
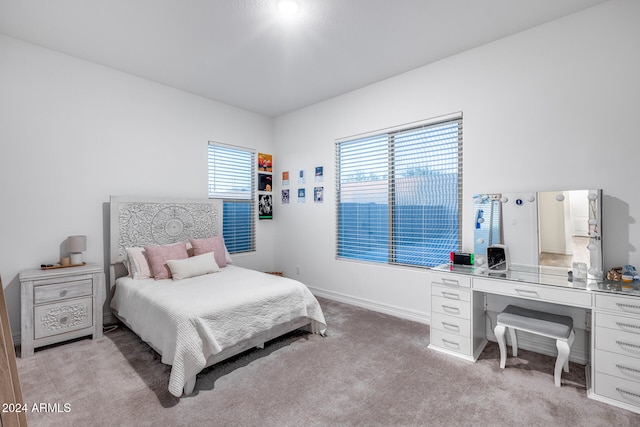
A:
x,y
199,315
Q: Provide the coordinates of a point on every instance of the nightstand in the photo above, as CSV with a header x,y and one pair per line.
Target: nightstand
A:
x,y
61,304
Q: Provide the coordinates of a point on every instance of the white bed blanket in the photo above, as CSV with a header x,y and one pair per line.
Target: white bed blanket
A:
x,y
188,320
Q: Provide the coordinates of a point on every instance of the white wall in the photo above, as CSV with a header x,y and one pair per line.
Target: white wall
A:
x,y
551,108
73,133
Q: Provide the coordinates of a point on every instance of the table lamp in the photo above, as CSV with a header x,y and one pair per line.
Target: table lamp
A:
x,y
76,245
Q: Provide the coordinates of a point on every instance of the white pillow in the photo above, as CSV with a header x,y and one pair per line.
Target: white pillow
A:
x,y
194,266
138,263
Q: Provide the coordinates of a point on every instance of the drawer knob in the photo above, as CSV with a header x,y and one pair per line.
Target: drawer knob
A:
x,y
626,368
627,393
451,309
628,306
627,326
450,282
451,326
527,292
626,344
451,344
450,295
63,293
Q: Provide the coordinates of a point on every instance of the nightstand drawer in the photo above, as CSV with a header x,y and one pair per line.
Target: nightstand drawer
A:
x,y
62,317
66,290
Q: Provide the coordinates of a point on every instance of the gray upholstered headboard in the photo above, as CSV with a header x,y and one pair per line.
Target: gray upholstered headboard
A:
x,y
140,222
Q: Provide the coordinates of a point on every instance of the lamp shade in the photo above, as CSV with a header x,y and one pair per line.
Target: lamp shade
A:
x,y
76,244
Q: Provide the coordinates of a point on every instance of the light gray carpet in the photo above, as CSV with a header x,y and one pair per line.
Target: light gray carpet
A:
x,y
371,370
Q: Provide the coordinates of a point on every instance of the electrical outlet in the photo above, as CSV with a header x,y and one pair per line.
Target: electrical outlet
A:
x,y
298,269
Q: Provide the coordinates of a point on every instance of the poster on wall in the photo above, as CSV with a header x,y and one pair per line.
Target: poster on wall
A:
x,y
301,177
301,195
264,182
265,162
318,194
319,173
265,206
285,197
285,178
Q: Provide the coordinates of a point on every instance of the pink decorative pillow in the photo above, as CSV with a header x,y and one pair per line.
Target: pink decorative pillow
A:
x,y
212,244
158,256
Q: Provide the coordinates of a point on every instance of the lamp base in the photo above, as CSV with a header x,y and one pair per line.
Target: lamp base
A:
x,y
76,258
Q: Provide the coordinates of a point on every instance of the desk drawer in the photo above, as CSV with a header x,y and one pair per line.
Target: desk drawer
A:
x,y
618,365
451,324
450,280
628,305
451,342
451,307
60,291
534,292
618,323
450,293
617,388
620,342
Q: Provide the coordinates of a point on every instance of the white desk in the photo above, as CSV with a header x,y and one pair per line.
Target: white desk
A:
x,y
610,315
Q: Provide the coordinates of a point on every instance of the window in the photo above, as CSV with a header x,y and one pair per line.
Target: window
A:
x,y
232,179
399,194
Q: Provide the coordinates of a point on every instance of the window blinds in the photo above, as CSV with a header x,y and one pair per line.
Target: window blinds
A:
x,y
399,194
232,179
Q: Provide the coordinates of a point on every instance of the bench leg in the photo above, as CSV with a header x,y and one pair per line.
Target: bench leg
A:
x,y
514,342
564,347
499,331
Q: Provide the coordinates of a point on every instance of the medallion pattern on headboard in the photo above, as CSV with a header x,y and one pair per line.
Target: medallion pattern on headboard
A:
x,y
161,222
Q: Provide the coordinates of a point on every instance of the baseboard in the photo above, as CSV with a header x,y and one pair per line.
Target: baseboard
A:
x,y
392,310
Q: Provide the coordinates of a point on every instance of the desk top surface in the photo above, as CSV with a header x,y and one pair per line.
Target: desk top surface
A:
x,y
543,275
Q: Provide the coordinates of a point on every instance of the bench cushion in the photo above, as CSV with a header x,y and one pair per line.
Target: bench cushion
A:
x,y
549,324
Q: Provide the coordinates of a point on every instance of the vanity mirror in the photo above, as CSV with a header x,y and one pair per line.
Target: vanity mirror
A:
x,y
557,230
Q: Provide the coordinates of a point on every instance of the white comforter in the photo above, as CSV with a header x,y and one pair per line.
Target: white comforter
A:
x,y
188,320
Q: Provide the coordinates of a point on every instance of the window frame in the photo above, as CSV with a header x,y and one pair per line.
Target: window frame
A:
x,y
393,228
234,200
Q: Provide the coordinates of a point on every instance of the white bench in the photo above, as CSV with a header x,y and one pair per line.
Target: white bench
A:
x,y
541,323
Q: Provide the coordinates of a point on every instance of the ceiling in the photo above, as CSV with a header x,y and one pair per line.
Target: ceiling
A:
x,y
243,53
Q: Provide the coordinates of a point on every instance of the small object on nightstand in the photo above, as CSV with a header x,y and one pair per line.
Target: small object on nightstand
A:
x,y
76,245
54,266
60,304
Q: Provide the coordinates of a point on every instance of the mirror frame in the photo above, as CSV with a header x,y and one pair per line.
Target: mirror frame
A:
x,y
521,223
